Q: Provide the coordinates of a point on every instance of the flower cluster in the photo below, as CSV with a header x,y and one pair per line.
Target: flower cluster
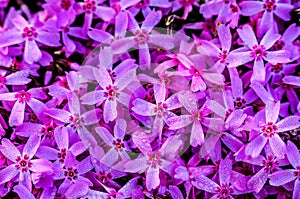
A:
x,y
149,99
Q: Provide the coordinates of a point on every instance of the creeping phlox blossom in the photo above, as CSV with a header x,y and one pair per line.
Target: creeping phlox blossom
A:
x,y
146,99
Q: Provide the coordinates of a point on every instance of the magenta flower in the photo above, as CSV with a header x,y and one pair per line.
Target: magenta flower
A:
x,y
268,128
30,34
269,7
116,143
143,38
152,161
257,52
161,110
23,163
22,98
282,177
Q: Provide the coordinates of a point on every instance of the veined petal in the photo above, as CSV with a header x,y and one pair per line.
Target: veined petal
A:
x,y
247,35
16,117
257,181
197,135
278,146
91,117
59,114
178,122
105,13
280,56
61,137
151,20
283,10
11,37
203,183
32,145
102,76
272,111
249,8
110,158
225,37
152,178
293,154
255,146
93,97
100,36
9,150
296,192
23,192
105,135
143,107
282,177
161,40
32,53
8,173
136,165
122,45
225,170
41,165
269,39
49,38
110,111
238,58
289,123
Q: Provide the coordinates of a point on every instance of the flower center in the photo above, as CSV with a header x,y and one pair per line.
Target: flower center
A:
x,y
239,103
194,71
197,116
277,68
234,8
160,109
62,155
30,33
2,81
270,164
65,4
224,191
186,2
269,5
268,130
297,172
143,4
141,37
23,163
258,52
89,6
119,145
23,96
279,45
104,177
48,130
71,173
223,55
154,159
76,121
111,92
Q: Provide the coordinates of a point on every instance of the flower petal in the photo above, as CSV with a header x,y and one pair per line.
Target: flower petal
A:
x,y
8,173
282,177
256,146
293,154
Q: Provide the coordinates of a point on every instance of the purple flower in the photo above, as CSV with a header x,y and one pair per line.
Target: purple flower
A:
x,y
152,161
144,6
187,5
23,163
116,143
282,177
30,34
22,98
269,7
267,131
143,38
257,52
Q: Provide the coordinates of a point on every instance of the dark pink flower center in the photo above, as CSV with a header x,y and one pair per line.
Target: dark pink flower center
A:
x,y
23,163
239,103
143,4
71,173
161,109
104,177
2,81
23,96
62,155
234,8
112,75
224,191
65,4
277,68
48,130
30,33
269,5
117,7
270,164
297,172
76,121
119,145
141,37
223,55
268,130
89,6
194,71
186,2
59,196
111,92
258,52
279,45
